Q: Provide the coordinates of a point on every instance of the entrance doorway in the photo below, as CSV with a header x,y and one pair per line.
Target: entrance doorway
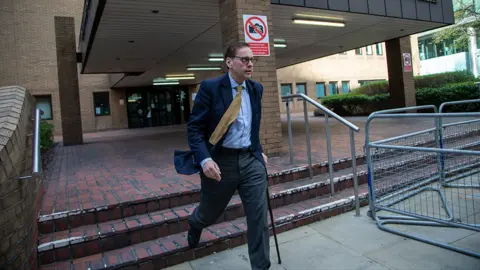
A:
x,y
157,106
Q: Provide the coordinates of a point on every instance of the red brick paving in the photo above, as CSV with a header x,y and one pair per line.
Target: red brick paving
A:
x,y
125,165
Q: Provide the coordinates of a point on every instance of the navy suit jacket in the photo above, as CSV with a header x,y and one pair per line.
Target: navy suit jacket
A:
x,y
212,101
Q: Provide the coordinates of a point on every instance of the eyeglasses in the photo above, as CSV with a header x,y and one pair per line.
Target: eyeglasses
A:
x,y
245,60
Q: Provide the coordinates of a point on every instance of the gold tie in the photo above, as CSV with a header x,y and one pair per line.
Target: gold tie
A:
x,y
228,118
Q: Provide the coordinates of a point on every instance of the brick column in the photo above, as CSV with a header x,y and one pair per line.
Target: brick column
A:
x,y
68,80
265,72
402,87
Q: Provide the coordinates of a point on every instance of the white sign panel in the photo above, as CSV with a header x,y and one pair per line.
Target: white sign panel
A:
x,y
256,34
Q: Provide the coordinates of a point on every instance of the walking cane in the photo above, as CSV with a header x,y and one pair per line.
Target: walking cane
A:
x,y
272,221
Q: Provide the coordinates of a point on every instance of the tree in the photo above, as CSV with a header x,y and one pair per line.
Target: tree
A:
x,y
467,17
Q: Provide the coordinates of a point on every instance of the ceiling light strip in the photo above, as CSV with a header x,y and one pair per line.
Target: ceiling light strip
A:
x,y
203,68
321,23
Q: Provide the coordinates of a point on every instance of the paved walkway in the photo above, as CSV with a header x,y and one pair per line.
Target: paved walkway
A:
x,y
124,165
348,242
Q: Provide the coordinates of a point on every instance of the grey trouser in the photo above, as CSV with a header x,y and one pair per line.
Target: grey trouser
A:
x,y
246,173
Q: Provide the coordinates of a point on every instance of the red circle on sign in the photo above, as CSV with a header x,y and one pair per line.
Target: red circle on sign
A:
x,y
262,34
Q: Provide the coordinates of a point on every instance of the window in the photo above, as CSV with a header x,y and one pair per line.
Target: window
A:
x,y
358,51
286,89
345,86
301,89
320,87
428,49
369,50
379,49
333,88
101,103
44,103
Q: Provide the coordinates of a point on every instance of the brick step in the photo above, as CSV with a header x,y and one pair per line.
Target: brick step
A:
x,y
140,229
94,238
173,249
73,219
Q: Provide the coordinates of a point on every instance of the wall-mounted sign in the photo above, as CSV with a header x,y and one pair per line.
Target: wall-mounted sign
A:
x,y
430,1
407,62
256,34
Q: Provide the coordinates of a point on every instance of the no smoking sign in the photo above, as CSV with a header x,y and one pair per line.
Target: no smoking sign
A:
x,y
256,34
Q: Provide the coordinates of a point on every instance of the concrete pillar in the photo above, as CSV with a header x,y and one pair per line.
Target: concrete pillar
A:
x,y
265,72
68,80
400,76
472,49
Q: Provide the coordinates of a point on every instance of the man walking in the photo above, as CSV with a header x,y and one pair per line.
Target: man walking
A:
x,y
223,134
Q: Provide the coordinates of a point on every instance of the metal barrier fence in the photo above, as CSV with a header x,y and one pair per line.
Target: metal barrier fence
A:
x,y
436,177
467,129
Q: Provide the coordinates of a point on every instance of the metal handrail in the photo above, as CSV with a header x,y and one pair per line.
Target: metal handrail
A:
x,y
342,120
36,165
36,143
324,109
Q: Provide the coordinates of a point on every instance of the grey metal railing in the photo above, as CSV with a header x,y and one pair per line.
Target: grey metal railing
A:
x,y
36,160
328,113
36,143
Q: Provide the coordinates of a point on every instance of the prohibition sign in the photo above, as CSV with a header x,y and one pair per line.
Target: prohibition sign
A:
x,y
262,34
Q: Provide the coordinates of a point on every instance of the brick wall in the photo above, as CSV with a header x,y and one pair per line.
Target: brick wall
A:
x,y
19,198
28,58
265,72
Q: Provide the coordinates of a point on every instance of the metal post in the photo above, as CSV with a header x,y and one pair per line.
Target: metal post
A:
x,y
307,128
36,143
439,144
329,151
370,175
354,168
289,122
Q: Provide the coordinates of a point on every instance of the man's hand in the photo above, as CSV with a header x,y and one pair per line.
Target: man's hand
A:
x,y
265,159
211,170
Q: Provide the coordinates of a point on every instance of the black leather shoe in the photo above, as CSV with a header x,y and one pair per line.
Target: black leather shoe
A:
x,y
193,237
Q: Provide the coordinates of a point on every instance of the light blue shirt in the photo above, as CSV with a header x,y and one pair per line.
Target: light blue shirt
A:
x,y
239,133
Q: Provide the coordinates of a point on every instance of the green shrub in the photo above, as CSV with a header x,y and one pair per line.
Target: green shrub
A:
x,y
372,88
452,92
356,104
442,79
46,136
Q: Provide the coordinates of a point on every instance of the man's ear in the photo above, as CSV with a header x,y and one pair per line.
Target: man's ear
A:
x,y
228,62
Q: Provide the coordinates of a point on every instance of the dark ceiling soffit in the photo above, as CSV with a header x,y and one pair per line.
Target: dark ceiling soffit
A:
x,y
127,74
96,22
310,59
302,3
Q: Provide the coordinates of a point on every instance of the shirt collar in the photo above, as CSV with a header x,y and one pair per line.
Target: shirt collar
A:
x,y
234,83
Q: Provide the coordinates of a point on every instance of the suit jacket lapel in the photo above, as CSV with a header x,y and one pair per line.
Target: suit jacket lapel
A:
x,y
226,92
252,92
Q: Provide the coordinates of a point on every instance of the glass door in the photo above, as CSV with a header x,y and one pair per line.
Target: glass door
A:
x,y
136,110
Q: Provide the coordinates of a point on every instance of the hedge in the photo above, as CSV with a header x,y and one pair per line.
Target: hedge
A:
x,y
452,92
356,104
433,80
46,136
430,89
442,79
372,88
